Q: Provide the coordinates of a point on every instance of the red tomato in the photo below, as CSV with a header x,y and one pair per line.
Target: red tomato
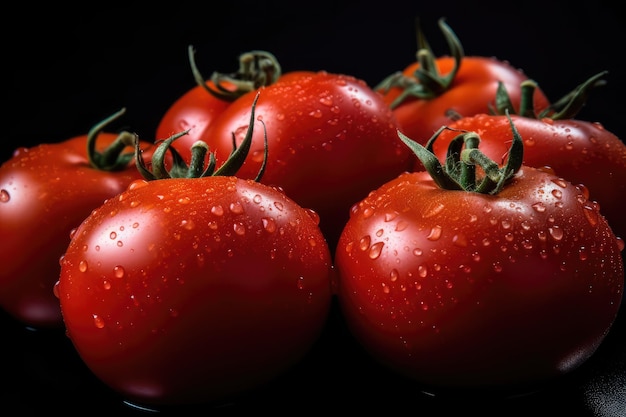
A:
x,y
580,151
432,92
458,289
46,191
200,105
331,139
224,281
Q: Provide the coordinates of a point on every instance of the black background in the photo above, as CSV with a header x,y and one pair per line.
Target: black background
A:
x,y
69,67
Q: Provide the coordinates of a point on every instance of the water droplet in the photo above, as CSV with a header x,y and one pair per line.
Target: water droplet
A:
x,y
257,199
112,235
279,205
393,275
98,321
390,216
217,210
119,271
540,207
556,232
375,250
401,225
188,224
422,271
368,212
313,215
460,240
83,266
269,224
497,267
590,214
106,285
417,252
4,196
435,233
364,242
385,288
239,228
236,207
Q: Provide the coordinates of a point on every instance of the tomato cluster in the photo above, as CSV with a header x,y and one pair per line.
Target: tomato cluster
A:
x,y
468,228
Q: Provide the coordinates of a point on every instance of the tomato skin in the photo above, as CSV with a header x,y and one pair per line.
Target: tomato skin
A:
x,y
472,90
580,151
46,191
464,290
223,280
192,111
331,139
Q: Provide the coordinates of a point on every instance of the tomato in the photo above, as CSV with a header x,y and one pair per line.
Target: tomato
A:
x,y
433,91
45,191
222,280
331,139
498,291
200,105
580,151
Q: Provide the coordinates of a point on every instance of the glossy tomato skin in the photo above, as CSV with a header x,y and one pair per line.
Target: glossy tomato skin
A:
x,y
471,92
187,291
45,192
193,111
331,139
580,151
460,290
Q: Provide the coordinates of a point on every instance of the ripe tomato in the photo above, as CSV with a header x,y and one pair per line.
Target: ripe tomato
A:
x,y
458,289
331,139
200,105
45,191
580,151
221,280
431,92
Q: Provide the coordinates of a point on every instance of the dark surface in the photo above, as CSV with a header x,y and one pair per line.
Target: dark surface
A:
x,y
42,372
70,71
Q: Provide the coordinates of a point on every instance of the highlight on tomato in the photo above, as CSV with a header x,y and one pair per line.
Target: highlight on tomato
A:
x,y
435,90
478,276
581,151
45,192
195,286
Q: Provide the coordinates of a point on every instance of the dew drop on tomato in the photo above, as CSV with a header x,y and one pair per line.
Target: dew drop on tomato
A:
x,y
375,250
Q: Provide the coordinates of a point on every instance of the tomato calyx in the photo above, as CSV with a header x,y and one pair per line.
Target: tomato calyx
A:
x,y
428,83
256,69
197,167
459,172
112,158
567,107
